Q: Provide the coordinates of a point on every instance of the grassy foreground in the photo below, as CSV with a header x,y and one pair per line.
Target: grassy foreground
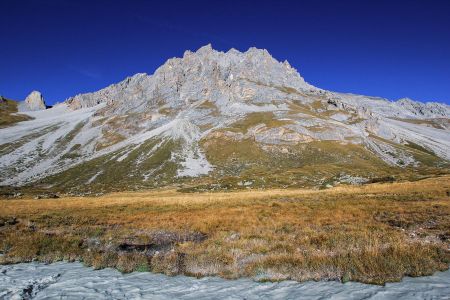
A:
x,y
373,233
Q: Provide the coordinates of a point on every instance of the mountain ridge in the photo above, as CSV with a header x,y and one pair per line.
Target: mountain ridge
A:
x,y
222,116
207,51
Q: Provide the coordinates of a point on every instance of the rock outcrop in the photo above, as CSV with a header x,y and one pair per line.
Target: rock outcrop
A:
x,y
34,101
223,78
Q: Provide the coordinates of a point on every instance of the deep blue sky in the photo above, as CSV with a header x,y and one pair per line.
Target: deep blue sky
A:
x,y
391,49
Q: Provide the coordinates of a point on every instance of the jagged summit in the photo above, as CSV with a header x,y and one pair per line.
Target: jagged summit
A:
x,y
195,75
229,77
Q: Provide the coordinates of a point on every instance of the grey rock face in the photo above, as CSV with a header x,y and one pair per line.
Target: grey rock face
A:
x,y
222,78
34,101
233,78
427,110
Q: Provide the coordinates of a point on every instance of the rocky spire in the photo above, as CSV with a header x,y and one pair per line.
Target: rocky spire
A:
x,y
35,101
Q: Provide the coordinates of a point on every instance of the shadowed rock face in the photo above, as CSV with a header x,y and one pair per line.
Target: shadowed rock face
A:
x,y
198,110
34,101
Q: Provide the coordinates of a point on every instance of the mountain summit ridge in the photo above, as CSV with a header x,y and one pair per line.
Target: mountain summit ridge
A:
x,y
229,65
214,68
229,115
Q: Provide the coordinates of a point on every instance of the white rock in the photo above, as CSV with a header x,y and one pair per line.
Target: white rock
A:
x,y
34,101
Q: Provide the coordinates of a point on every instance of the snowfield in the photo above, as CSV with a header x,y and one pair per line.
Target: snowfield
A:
x,y
74,281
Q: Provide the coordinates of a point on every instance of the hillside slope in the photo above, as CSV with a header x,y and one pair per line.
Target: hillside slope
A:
x,y
243,119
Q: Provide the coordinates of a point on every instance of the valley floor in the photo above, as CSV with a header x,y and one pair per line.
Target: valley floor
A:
x,y
373,233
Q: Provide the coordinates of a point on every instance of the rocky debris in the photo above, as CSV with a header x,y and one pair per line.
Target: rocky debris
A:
x,y
356,180
46,196
34,101
8,221
233,237
157,242
33,286
245,183
31,226
444,237
12,195
92,243
161,241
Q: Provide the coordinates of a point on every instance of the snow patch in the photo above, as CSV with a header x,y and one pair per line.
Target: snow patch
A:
x,y
94,177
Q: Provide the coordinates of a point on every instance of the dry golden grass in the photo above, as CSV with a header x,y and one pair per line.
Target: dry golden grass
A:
x,y
373,233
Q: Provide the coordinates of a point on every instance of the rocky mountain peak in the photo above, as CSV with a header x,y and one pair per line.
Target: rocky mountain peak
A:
x,y
34,101
221,77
